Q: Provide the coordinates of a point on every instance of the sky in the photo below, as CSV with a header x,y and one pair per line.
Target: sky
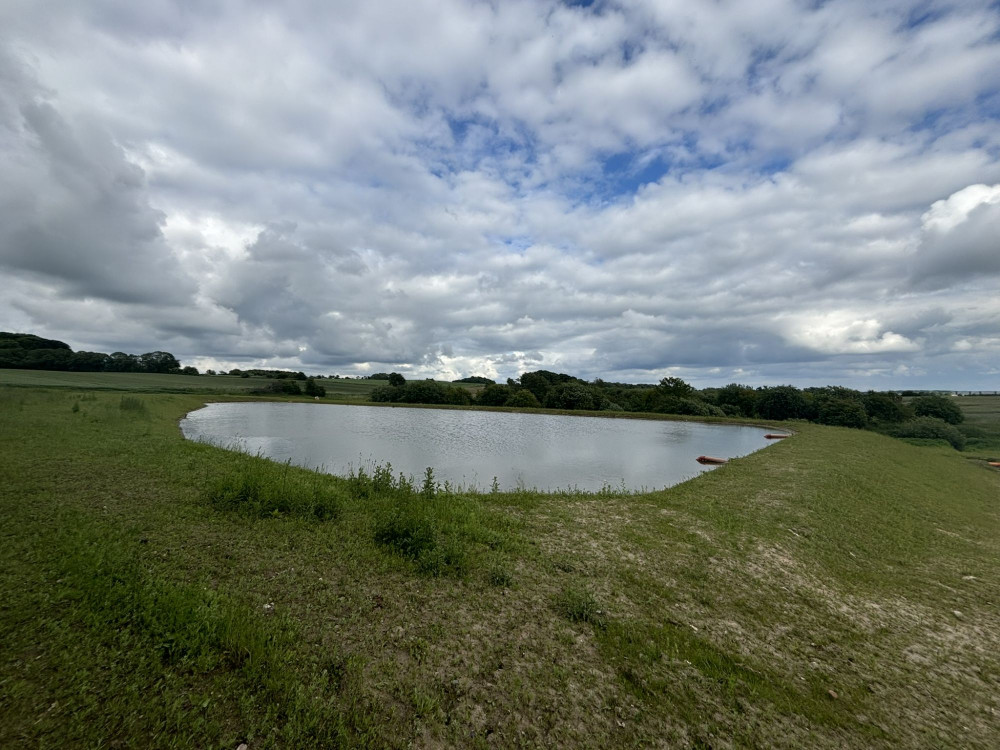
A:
x,y
770,192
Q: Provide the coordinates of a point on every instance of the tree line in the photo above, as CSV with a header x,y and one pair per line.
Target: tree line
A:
x,y
25,351
926,416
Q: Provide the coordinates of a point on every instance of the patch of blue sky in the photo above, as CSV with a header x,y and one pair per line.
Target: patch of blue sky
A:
x,y
624,173
761,65
459,126
944,120
518,243
988,104
507,150
922,14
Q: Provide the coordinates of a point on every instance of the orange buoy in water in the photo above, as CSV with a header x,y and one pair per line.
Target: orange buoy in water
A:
x,y
711,460
774,436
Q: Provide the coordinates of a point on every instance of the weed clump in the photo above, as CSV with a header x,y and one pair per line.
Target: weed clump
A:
x,y
500,577
377,480
579,605
264,489
418,537
132,405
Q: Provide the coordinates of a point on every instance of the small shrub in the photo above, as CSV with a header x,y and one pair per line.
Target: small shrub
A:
x,y
132,404
429,487
383,394
841,412
930,428
263,489
377,480
314,389
281,386
524,399
406,534
941,407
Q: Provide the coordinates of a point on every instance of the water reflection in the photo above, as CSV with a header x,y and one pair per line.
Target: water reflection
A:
x,y
470,448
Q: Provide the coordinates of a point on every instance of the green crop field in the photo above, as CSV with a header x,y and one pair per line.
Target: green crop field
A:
x,y
982,424
337,388
838,589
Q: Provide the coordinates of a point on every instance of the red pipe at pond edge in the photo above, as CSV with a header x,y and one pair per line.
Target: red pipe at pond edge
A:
x,y
711,460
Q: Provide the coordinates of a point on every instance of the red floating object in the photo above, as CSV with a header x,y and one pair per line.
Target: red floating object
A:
x,y
711,460
774,436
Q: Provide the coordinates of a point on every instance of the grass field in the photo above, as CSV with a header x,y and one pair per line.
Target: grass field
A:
x,y
982,425
839,589
156,383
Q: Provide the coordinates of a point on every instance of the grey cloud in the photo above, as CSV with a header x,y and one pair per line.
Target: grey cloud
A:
x,y
75,211
969,252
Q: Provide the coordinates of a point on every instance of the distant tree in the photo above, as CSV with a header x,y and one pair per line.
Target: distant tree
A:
x,y
284,386
421,392
841,412
189,370
781,402
88,361
675,387
122,362
935,405
396,380
493,395
314,389
695,407
570,396
158,362
884,408
930,428
47,359
379,376
29,341
474,379
384,394
522,398
537,384
742,398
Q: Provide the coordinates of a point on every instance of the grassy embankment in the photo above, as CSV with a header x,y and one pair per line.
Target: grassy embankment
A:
x,y
837,589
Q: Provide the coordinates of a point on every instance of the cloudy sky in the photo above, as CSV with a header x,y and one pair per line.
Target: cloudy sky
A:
x,y
782,191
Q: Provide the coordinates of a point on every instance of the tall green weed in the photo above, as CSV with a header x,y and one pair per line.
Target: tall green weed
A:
x,y
260,488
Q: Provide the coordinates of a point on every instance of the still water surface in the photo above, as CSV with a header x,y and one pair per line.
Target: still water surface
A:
x,y
470,448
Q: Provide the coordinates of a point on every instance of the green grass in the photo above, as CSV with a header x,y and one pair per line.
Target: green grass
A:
x,y
337,389
982,425
838,589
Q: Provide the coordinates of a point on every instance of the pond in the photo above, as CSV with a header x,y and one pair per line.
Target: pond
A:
x,y
470,448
